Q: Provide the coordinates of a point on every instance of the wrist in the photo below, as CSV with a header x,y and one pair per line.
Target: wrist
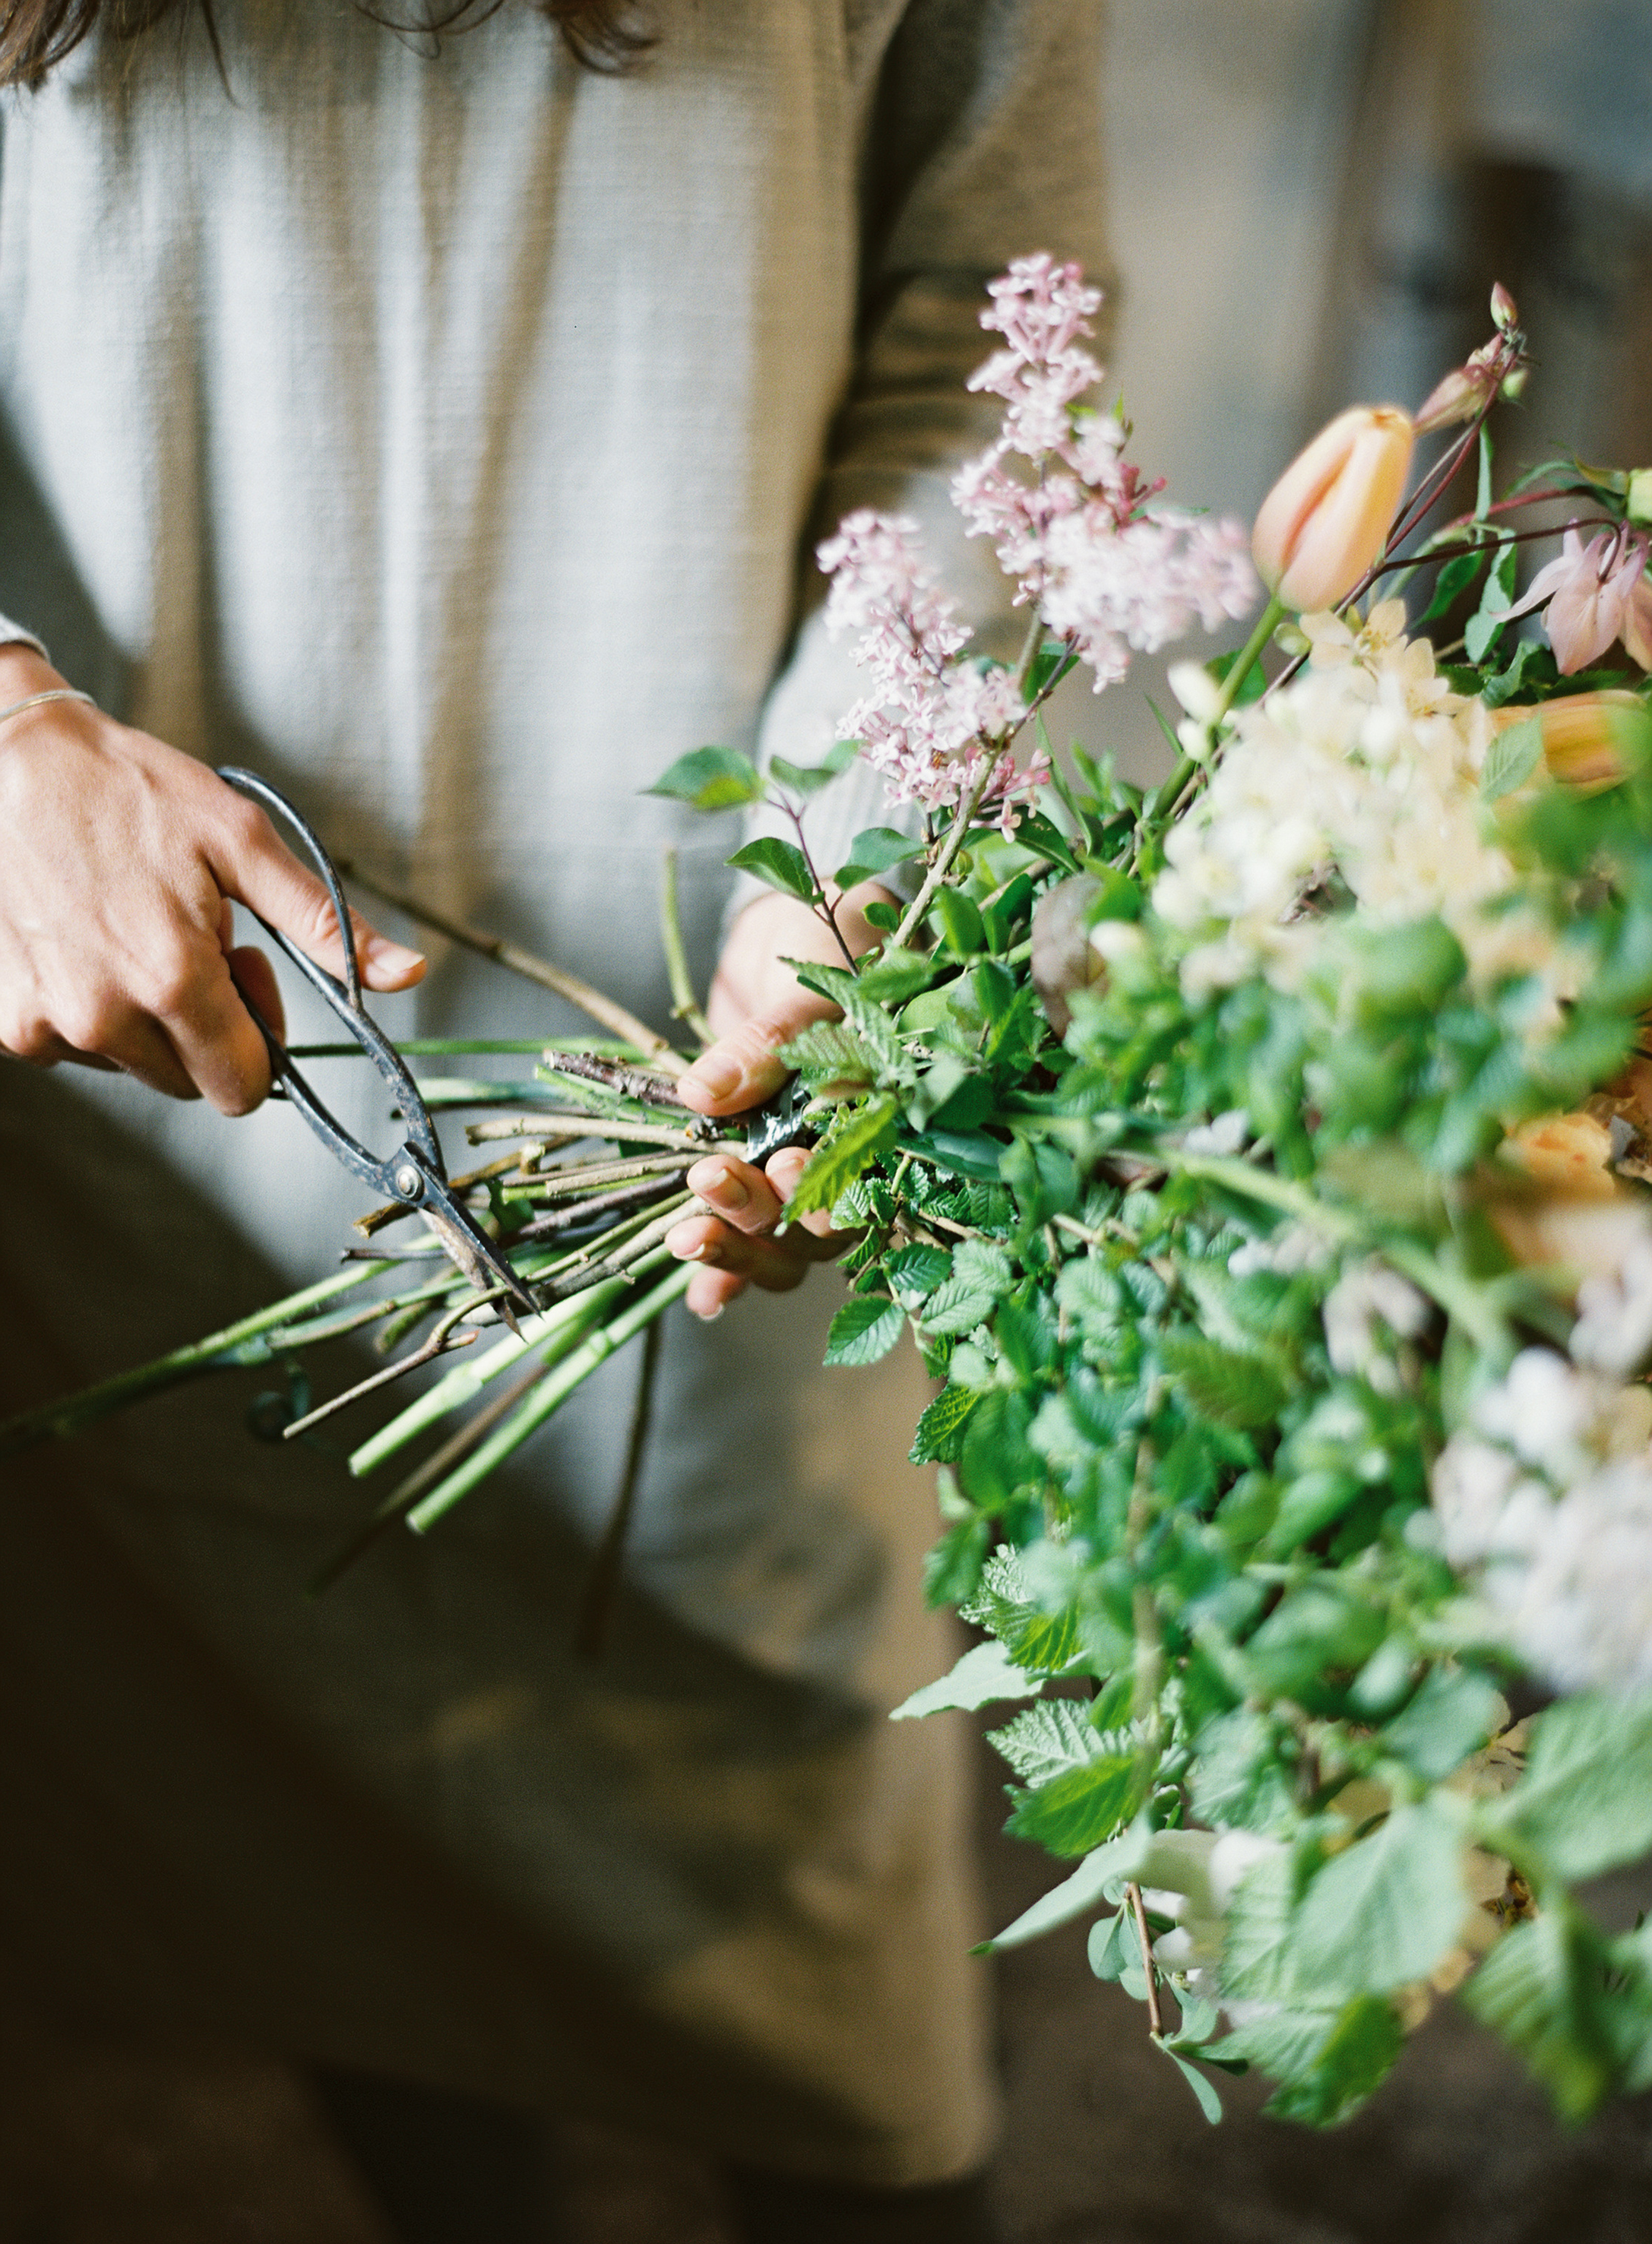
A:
x,y
24,671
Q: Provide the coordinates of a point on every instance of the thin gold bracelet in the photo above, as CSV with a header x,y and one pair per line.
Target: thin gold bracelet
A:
x,y
35,700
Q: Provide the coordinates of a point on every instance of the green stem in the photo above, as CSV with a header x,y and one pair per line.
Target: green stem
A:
x,y
547,1398
684,1006
943,865
1165,801
562,1325
73,1413
441,1047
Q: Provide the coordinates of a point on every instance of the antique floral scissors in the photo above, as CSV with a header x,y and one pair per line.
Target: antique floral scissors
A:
x,y
415,1174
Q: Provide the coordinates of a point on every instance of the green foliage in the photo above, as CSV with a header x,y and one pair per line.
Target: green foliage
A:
x,y
782,864
873,852
853,1143
1385,1911
1585,1803
865,1329
711,779
1327,2061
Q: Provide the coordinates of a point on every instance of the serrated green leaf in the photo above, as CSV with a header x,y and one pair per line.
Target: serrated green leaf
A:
x,y
941,1427
1327,2061
782,864
833,1057
1258,1957
1090,1293
1541,1991
914,1272
1386,1909
984,1675
1083,1808
1585,1802
1230,1389
953,1567
893,975
1453,1714
864,1330
855,1140
1048,1740
710,779
956,1307
1239,1782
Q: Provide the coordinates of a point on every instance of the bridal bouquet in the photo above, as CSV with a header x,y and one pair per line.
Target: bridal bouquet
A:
x,y
1259,1164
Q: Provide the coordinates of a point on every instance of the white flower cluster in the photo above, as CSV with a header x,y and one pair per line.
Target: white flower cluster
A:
x,y
1366,767
1545,1497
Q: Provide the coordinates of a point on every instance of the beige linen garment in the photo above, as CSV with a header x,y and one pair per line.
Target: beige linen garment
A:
x,y
438,433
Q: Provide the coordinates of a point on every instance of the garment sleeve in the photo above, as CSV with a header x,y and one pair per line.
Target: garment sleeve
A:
x,y
13,634
984,144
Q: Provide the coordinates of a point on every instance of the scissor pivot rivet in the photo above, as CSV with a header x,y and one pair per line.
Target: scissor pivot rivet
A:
x,y
408,1181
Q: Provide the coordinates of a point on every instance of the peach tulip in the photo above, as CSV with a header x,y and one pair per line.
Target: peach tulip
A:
x,y
1324,521
1590,741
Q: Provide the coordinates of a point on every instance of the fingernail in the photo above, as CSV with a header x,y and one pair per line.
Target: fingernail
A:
x,y
394,958
700,1251
710,1316
713,1181
718,1079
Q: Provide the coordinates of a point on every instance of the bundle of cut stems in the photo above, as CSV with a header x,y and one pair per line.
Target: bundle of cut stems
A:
x,y
600,1144
610,1167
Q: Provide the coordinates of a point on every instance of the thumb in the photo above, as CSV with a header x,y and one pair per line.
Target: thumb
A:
x,y
744,1068
252,864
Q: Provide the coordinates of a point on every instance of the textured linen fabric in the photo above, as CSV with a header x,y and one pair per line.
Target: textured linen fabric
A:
x,y
438,433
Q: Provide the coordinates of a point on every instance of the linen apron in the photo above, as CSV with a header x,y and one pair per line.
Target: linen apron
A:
x,y
438,433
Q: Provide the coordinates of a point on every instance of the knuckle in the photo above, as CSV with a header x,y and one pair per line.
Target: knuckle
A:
x,y
88,1023
170,986
27,1037
247,826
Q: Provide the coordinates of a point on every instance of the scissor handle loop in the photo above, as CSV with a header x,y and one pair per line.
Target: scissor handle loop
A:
x,y
345,999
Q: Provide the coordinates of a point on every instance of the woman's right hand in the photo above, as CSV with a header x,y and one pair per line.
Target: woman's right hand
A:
x,y
121,860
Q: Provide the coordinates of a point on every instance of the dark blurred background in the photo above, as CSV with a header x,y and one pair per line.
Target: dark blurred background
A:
x,y
1311,198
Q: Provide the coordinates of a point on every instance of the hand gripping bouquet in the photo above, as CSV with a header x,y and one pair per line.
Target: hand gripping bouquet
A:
x,y
1260,1164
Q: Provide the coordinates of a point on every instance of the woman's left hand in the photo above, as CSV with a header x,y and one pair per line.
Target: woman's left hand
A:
x,y
757,1004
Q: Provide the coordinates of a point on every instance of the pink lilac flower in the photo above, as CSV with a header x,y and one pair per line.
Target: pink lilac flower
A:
x,y
1083,540
1078,534
931,724
1595,593
1142,586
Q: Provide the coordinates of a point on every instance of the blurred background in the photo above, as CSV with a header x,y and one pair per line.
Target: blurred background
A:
x,y
1310,200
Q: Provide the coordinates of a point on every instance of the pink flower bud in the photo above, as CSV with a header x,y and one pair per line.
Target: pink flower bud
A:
x,y
1323,523
1506,312
1457,398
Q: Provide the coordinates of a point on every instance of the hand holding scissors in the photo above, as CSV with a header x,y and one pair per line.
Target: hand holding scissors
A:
x,y
414,1172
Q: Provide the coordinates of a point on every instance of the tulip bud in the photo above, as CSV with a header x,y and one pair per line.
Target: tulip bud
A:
x,y
1458,396
1591,742
1324,521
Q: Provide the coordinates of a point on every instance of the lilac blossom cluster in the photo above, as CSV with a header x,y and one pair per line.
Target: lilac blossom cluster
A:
x,y
932,725
1107,569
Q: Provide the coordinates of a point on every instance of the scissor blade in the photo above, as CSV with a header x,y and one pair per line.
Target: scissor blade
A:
x,y
470,1249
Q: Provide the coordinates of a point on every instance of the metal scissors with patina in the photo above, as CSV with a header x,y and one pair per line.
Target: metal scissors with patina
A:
x,y
415,1174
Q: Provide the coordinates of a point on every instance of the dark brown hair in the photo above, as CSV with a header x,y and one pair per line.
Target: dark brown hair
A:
x,y
35,35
